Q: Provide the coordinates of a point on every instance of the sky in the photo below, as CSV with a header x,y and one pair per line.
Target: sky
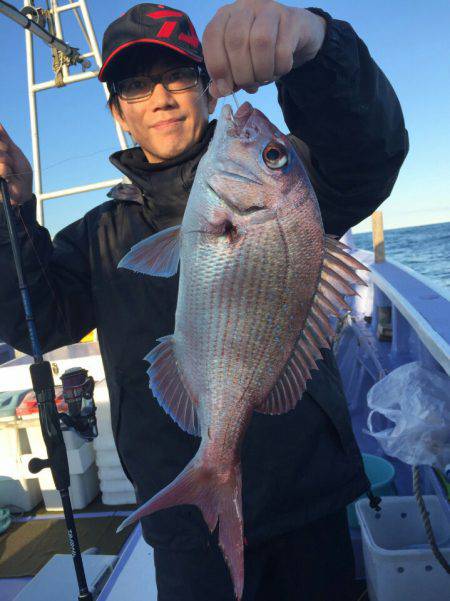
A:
x,y
408,39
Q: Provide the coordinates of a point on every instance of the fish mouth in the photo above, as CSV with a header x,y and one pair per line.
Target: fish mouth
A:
x,y
240,117
234,123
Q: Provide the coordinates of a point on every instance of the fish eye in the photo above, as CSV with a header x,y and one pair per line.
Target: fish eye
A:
x,y
275,155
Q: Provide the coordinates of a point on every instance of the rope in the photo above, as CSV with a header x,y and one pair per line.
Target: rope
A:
x,y
59,61
361,597
426,521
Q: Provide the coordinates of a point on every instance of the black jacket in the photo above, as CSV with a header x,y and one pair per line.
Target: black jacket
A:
x,y
296,467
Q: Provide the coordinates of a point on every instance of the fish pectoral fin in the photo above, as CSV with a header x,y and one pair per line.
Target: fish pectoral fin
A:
x,y
168,388
157,255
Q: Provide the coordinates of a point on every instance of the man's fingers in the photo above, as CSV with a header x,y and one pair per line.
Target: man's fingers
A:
x,y
215,55
214,90
5,158
6,172
4,146
6,142
263,37
237,45
4,134
250,44
251,89
286,43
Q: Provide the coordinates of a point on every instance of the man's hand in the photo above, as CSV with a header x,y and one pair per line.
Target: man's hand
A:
x,y
251,42
15,168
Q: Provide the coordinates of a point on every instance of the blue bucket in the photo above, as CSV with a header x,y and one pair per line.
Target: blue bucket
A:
x,y
381,474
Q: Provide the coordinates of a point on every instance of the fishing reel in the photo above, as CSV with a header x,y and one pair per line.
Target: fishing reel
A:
x,y
78,393
35,14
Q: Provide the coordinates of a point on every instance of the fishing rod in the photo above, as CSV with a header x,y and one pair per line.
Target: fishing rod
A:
x,y
25,18
76,385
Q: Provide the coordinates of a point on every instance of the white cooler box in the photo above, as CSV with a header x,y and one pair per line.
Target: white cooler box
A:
x,y
115,486
19,490
399,562
18,493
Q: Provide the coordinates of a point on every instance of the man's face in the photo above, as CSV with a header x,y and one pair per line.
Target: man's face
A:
x,y
166,123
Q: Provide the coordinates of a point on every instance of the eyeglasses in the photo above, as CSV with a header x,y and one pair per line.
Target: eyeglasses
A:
x,y
173,80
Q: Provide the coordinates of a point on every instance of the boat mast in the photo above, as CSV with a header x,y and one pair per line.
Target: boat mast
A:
x,y
63,78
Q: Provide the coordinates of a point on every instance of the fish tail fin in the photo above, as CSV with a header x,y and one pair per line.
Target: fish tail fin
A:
x,y
219,499
231,536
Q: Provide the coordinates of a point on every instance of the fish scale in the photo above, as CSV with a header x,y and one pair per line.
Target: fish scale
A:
x,y
259,280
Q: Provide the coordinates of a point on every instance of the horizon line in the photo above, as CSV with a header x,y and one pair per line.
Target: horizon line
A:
x,y
403,227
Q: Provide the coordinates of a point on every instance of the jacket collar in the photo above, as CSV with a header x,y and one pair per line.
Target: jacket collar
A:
x,y
162,187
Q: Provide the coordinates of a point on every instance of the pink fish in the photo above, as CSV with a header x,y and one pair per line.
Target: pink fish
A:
x,y
259,280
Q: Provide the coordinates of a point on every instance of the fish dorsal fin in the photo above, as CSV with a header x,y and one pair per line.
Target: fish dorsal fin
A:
x,y
168,387
156,255
338,271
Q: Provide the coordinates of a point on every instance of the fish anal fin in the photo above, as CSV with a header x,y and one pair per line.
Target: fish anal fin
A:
x,y
168,387
156,255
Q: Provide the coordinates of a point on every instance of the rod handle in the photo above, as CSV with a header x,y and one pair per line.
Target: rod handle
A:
x,y
35,465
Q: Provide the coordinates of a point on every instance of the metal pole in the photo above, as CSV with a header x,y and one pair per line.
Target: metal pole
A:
x,y
75,78
109,183
11,11
34,123
378,236
98,60
74,6
32,28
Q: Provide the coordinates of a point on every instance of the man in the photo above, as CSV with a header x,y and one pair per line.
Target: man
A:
x,y
301,469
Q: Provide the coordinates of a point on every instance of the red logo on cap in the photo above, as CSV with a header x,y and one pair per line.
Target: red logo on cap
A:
x,y
162,14
166,30
192,39
169,26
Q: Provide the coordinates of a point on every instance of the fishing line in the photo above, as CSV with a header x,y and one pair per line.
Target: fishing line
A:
x,y
72,158
80,156
205,90
235,100
208,85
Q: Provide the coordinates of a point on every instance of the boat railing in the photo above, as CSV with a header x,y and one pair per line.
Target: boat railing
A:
x,y
401,317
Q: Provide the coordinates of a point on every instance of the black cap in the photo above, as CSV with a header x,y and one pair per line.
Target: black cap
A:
x,y
150,24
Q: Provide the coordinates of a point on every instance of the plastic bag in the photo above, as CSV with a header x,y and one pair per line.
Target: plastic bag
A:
x,y
417,400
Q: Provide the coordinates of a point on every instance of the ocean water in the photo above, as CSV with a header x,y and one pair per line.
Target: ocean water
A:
x,y
424,248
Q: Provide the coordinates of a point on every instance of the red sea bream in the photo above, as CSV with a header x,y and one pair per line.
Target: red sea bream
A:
x,y
259,280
